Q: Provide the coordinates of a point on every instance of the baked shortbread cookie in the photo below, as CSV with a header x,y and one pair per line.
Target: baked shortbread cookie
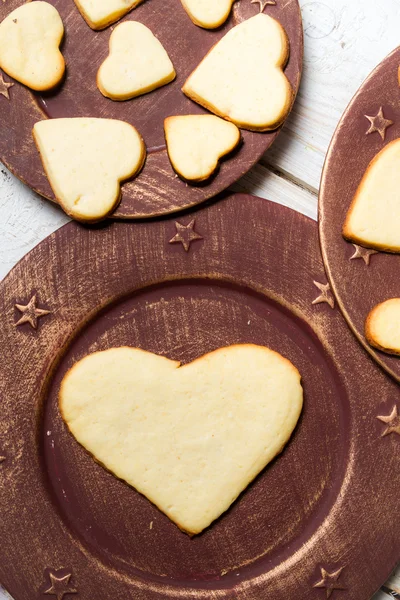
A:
x,y
208,13
98,14
373,219
190,438
137,63
382,327
195,144
29,45
86,159
242,78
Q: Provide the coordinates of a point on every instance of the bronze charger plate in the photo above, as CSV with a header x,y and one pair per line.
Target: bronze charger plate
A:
x,y
157,190
320,521
360,278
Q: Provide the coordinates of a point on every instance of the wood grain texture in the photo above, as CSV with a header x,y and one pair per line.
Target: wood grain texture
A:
x,y
337,60
288,536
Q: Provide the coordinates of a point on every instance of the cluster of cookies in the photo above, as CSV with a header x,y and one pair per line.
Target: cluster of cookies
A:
x,y
372,221
86,159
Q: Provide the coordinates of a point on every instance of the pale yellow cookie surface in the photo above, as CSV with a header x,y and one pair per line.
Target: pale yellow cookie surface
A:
x,y
196,143
137,63
98,14
373,219
29,45
382,327
242,78
208,13
86,159
190,438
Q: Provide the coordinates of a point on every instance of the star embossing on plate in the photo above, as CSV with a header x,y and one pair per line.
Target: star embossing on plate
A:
x,y
330,581
364,253
379,124
263,3
325,295
60,585
5,86
30,313
392,421
185,234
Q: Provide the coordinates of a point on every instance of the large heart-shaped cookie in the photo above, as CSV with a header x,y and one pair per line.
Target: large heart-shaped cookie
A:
x,y
242,78
137,63
208,13
373,219
189,438
98,14
29,45
195,144
86,159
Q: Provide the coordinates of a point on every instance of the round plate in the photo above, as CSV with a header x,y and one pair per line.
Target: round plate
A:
x,y
157,190
360,279
69,526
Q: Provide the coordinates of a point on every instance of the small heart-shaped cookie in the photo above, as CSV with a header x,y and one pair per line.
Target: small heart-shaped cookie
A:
x,y
382,327
208,13
137,63
29,45
373,219
242,78
190,438
86,159
195,144
98,14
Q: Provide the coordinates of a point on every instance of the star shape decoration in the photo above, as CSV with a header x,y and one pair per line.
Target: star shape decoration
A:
x,y
326,294
330,581
364,253
4,86
393,422
30,313
60,586
263,3
185,234
379,124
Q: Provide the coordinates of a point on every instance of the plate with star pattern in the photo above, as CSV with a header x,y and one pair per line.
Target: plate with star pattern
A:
x,y
360,277
157,190
180,288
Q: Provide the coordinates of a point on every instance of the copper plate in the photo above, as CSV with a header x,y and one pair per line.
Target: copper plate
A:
x,y
321,520
360,283
157,190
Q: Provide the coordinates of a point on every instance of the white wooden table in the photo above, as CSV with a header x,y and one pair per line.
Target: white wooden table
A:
x,y
344,41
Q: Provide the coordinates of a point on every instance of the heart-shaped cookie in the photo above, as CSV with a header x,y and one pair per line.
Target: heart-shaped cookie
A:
x,y
373,219
242,78
29,45
208,13
98,14
86,159
137,63
195,144
189,438
382,327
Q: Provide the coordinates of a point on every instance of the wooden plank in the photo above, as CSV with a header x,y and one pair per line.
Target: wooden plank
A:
x,y
344,41
264,182
25,219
